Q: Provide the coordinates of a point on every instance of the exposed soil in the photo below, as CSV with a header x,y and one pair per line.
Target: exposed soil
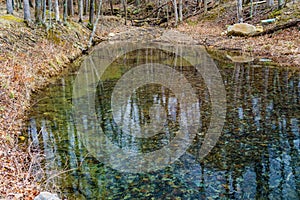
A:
x,y
29,57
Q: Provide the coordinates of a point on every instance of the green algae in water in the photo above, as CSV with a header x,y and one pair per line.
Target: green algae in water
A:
x,y
256,157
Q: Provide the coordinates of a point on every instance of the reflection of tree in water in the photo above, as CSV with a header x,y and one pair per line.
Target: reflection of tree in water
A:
x,y
257,155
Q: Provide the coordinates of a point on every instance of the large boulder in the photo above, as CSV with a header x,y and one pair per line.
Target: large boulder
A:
x,y
241,29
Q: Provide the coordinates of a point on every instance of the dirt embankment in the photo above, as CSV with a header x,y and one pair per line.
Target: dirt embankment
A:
x,y
29,57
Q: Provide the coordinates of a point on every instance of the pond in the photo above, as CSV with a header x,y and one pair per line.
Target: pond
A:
x,y
145,97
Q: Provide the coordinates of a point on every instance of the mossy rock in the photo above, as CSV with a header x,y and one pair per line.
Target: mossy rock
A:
x,y
12,18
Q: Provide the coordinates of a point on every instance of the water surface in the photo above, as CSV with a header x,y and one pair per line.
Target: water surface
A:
x,y
256,156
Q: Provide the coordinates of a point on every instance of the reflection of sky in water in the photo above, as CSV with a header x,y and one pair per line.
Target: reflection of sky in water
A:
x,y
257,156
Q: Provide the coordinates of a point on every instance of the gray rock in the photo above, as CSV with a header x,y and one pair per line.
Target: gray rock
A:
x,y
46,196
241,29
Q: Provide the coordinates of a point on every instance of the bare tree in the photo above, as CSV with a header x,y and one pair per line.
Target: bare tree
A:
x,y
56,11
9,6
175,12
205,5
270,3
50,12
280,4
180,11
92,10
38,13
111,7
124,2
44,11
240,11
26,11
70,8
80,10
95,24
86,8
65,15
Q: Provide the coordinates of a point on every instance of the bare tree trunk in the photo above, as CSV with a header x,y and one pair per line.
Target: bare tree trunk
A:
x,y
86,8
26,10
270,3
175,12
95,24
180,11
280,4
240,11
44,11
38,13
70,8
124,2
56,11
65,15
80,10
205,5
111,7
9,6
50,12
92,10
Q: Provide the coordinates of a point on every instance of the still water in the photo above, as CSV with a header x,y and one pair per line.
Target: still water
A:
x,y
256,156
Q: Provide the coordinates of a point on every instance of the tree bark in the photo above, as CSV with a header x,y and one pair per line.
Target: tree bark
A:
x,y
9,6
56,11
92,10
44,11
38,13
65,15
50,12
80,10
175,12
95,24
124,2
86,8
270,3
240,11
26,11
111,7
180,11
70,8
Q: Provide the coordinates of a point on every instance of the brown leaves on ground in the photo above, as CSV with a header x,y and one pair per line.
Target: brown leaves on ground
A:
x,y
29,57
282,46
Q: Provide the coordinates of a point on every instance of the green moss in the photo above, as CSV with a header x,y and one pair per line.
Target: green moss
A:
x,y
11,18
191,22
275,13
53,36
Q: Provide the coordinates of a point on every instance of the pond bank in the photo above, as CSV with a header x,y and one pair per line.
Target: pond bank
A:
x,y
29,58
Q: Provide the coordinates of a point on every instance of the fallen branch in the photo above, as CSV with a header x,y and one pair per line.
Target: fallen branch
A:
x,y
277,28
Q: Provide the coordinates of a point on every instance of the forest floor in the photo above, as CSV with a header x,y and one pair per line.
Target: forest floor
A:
x,y
282,47
31,55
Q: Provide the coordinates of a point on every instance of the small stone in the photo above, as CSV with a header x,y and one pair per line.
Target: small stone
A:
x,y
111,34
46,196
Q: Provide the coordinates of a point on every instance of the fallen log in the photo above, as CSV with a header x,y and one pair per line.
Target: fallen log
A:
x,y
277,28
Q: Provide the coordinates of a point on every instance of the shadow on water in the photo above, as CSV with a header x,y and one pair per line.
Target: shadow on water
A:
x,y
257,155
